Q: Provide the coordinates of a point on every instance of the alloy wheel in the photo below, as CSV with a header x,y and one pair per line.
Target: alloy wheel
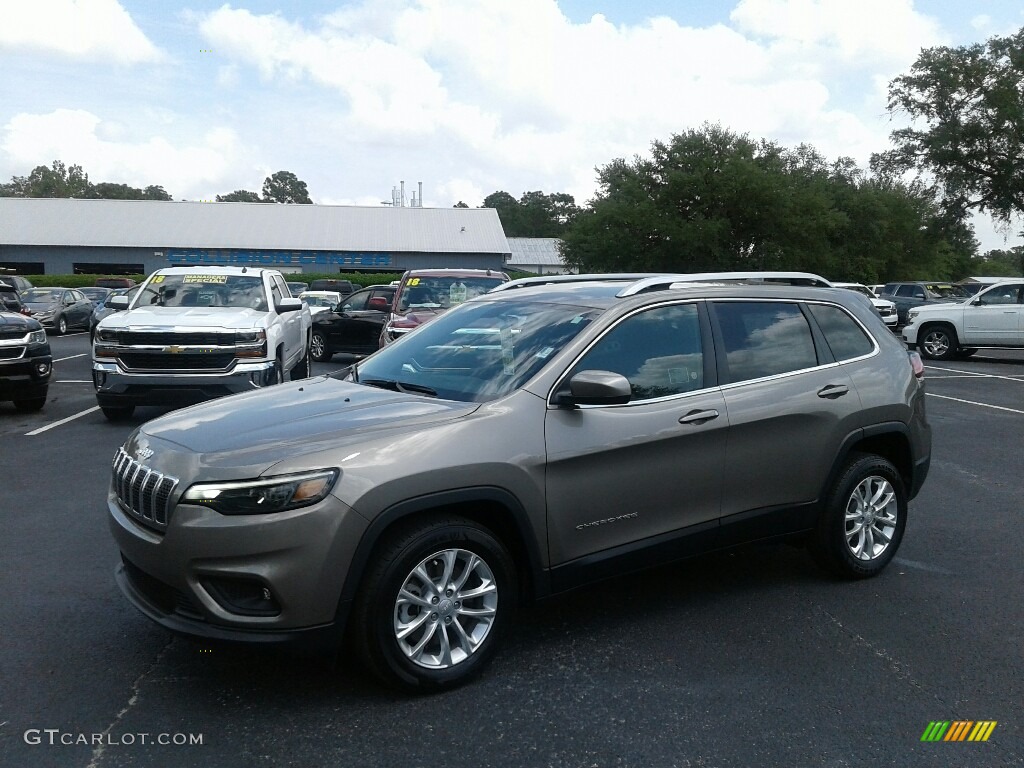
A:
x,y
871,517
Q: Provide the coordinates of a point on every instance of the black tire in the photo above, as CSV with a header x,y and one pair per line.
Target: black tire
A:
x,y
376,610
61,326
835,541
31,404
937,342
117,412
277,372
301,369
319,349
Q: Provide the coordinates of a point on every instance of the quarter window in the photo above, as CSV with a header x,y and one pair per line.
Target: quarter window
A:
x,y
658,351
764,339
845,337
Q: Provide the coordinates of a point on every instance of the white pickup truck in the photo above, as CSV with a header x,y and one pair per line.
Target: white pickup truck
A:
x,y
195,333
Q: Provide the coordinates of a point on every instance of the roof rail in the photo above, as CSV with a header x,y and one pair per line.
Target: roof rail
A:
x,y
755,278
527,282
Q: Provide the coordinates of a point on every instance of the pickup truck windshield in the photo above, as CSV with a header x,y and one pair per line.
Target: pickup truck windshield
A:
x,y
201,290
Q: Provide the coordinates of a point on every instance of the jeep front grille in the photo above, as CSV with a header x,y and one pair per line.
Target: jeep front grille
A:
x,y
142,491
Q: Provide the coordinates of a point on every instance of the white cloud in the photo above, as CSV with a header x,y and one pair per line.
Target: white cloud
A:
x,y
108,153
83,29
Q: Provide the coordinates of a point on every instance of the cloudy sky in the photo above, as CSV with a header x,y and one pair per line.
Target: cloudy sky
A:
x,y
467,96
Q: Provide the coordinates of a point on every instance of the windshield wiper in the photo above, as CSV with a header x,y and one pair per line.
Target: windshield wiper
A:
x,y
399,386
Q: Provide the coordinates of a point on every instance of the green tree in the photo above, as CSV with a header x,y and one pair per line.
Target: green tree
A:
x,y
55,181
240,196
535,214
155,192
460,204
285,187
967,104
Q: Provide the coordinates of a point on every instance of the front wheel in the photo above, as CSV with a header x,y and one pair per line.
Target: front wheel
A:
x,y
62,325
117,412
301,369
435,601
30,404
862,523
318,348
937,342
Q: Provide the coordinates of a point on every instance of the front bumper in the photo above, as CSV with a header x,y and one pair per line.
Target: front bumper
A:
x,y
196,577
910,334
26,377
117,387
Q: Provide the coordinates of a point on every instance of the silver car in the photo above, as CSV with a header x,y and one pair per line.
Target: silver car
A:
x,y
526,442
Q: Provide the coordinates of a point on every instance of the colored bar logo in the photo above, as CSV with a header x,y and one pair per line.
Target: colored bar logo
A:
x,y
959,730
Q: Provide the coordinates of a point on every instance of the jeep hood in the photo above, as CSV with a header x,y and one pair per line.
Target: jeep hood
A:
x,y
259,429
164,318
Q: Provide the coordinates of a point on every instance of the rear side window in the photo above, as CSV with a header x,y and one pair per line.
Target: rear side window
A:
x,y
845,337
658,350
764,339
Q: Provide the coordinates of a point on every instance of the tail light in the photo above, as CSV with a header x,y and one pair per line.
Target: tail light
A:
x,y
917,365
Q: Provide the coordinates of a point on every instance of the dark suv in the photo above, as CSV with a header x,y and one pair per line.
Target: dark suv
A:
x,y
906,296
531,440
25,361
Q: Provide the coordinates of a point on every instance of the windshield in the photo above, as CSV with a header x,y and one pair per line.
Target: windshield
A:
x,y
42,295
477,353
948,291
204,291
443,292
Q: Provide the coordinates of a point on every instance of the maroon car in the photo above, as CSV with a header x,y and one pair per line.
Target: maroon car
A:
x,y
423,294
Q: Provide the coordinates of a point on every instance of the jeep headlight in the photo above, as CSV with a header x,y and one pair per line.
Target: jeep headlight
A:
x,y
265,496
37,337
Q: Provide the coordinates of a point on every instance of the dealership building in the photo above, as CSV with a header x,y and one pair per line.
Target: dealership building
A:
x,y
67,236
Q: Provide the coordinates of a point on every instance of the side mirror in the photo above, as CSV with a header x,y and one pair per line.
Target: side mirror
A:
x,y
595,388
977,302
379,303
117,303
288,305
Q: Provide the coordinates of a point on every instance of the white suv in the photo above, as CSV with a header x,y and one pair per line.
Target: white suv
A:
x,y
992,318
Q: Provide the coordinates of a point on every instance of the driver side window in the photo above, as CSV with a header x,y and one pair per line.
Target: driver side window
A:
x,y
658,351
356,302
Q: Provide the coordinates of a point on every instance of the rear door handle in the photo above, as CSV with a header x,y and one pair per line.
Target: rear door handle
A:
x,y
698,417
833,391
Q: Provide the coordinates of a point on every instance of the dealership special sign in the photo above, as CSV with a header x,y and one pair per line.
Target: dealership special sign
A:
x,y
205,257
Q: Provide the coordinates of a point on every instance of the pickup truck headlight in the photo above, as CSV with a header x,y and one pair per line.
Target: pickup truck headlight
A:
x,y
37,337
251,343
261,497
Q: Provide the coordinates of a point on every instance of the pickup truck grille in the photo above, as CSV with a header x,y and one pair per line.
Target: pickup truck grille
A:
x,y
11,353
7,333
169,338
143,492
183,361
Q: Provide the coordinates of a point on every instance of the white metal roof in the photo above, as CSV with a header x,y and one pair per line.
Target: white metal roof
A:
x,y
530,251
158,223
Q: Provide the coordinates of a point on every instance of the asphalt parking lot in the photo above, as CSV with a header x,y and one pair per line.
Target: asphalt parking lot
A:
x,y
752,658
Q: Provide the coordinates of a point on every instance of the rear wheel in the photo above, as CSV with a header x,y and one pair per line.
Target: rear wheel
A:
x,y
117,412
318,348
938,342
434,603
863,521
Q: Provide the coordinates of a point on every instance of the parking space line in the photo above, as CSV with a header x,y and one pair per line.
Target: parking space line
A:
x,y
73,381
1019,379
972,402
62,421
62,359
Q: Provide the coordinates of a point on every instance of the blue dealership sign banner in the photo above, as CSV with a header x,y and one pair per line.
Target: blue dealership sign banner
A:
x,y
206,257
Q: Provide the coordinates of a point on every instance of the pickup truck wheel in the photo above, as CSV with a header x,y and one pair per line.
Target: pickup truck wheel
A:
x,y
862,523
436,598
301,369
117,412
30,404
318,348
937,342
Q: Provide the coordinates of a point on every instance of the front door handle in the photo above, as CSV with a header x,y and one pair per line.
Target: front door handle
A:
x,y
833,391
698,417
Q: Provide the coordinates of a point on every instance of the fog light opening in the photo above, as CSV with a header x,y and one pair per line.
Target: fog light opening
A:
x,y
244,597
42,368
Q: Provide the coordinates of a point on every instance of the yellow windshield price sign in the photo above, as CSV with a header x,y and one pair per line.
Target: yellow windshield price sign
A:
x,y
205,279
